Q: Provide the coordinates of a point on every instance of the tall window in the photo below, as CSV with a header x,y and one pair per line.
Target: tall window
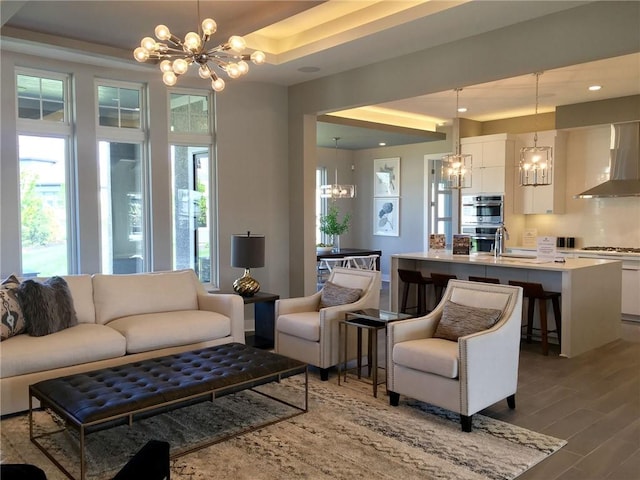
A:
x,y
123,179
192,178
441,203
44,129
321,205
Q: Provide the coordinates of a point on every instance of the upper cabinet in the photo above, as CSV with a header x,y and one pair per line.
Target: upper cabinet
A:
x,y
546,198
492,157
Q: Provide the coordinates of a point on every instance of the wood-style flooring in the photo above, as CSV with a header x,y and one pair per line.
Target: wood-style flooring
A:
x,y
592,401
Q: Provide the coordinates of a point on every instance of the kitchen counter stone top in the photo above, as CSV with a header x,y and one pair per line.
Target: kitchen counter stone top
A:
x,y
506,260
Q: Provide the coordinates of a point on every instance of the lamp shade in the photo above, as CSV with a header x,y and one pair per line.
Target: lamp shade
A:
x,y
247,251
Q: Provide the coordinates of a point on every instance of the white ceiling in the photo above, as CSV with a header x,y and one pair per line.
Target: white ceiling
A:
x,y
369,32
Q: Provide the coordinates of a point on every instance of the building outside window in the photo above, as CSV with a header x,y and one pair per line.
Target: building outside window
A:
x,y
44,132
124,225
193,179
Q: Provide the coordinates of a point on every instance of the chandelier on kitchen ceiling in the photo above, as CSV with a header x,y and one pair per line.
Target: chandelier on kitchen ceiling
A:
x,y
177,55
535,162
456,167
337,190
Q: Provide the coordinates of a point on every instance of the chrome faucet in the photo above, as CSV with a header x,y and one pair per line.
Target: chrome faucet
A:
x,y
501,235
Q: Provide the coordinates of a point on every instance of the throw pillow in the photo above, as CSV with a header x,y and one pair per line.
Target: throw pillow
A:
x,y
47,306
10,311
333,294
461,320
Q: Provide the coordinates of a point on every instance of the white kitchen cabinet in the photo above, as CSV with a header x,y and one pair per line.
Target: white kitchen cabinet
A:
x,y
491,156
545,198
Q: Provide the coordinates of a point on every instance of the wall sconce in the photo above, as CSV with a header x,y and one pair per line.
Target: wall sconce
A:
x,y
247,251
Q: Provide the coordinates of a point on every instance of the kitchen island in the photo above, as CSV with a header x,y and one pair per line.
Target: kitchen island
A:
x,y
590,288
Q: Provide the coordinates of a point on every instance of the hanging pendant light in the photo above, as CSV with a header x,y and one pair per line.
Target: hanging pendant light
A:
x,y
456,168
177,55
337,190
535,162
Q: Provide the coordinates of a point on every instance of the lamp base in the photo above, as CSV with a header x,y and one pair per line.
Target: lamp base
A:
x,y
246,285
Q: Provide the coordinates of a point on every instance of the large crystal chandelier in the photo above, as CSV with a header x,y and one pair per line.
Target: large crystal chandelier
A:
x,y
177,55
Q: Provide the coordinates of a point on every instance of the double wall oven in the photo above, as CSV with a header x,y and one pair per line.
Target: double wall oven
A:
x,y
481,216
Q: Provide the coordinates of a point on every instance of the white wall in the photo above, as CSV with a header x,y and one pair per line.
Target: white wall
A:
x,y
593,221
589,32
253,176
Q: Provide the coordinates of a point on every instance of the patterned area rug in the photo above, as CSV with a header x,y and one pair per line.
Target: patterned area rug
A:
x,y
347,434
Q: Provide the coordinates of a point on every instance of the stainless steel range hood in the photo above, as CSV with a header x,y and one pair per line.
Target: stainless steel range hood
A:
x,y
624,164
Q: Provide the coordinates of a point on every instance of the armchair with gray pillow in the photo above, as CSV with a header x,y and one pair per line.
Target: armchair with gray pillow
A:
x,y
307,327
463,356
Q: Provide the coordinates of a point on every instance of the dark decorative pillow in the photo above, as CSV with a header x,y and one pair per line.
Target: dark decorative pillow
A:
x,y
47,306
461,320
333,295
10,311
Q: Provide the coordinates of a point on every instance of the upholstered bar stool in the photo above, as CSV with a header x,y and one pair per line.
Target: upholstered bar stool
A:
x,y
484,279
533,292
413,277
440,281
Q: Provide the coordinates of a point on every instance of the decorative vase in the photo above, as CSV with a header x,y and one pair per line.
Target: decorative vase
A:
x,y
336,244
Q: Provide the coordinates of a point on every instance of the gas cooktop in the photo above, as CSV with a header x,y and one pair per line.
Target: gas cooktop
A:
x,y
613,249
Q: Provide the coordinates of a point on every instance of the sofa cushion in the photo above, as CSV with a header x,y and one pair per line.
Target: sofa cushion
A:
x,y
86,342
462,320
81,289
302,325
333,295
10,311
47,306
117,296
152,331
432,355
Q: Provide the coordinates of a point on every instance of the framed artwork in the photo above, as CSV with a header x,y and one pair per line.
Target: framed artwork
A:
x,y
386,173
386,216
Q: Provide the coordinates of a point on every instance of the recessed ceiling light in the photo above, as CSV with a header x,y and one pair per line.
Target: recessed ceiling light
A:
x,y
462,109
595,88
382,144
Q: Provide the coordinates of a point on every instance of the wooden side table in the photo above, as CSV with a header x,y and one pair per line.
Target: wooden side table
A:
x,y
264,313
264,306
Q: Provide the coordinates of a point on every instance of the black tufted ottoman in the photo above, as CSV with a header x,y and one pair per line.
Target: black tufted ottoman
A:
x,y
108,397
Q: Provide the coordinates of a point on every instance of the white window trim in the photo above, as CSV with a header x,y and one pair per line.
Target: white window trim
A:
x,y
64,130
204,140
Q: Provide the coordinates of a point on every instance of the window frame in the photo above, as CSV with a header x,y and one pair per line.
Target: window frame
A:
x,y
65,131
187,139
134,136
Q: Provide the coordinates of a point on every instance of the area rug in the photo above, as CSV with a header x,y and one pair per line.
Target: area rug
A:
x,y
346,434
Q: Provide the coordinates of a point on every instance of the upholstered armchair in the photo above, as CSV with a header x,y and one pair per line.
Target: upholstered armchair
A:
x,y
465,375
307,330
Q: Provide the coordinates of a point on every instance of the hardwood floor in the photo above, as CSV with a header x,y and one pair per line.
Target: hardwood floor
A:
x,y
592,401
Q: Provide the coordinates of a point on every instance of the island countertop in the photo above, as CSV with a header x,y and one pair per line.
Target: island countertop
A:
x,y
506,260
590,288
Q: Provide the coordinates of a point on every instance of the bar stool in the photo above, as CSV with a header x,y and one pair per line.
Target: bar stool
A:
x,y
533,292
413,277
483,279
440,281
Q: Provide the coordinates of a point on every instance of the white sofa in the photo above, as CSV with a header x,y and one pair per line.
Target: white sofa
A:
x,y
121,319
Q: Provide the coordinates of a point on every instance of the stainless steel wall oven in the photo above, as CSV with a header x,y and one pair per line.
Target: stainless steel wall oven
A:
x,y
481,216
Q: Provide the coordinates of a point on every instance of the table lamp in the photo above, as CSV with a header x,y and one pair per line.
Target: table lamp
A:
x,y
247,251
